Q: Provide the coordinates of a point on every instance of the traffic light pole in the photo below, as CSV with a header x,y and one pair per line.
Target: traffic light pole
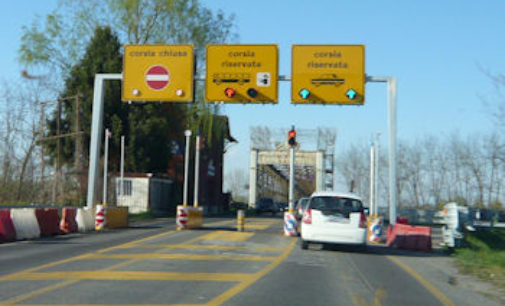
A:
x,y
291,198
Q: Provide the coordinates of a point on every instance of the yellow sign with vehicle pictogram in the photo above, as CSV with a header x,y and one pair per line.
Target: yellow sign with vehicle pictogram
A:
x,y
328,74
242,73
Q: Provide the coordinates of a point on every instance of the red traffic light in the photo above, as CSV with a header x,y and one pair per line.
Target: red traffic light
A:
x,y
292,138
229,92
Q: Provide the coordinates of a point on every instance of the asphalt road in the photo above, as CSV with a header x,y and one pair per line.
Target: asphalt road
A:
x,y
155,265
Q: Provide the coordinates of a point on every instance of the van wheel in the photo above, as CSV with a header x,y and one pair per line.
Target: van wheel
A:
x,y
305,244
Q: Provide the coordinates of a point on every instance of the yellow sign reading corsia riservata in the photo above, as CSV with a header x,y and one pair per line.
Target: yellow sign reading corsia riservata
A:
x,y
328,74
242,73
158,73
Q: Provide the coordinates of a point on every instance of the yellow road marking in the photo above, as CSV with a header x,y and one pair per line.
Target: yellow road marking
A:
x,y
227,236
186,257
204,246
358,300
46,289
136,275
432,289
380,295
256,226
128,244
254,277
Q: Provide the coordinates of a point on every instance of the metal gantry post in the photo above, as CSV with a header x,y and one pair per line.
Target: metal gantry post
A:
x,y
197,170
187,133
391,105
96,130
105,166
372,180
121,183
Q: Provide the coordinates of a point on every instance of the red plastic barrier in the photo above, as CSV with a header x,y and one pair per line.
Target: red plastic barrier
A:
x,y
402,220
68,223
415,238
49,221
7,230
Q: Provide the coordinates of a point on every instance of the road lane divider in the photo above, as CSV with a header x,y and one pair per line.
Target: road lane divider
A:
x,y
49,221
68,223
85,219
25,223
7,230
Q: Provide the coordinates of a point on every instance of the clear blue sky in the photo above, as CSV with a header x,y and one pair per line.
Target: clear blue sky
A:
x,y
434,48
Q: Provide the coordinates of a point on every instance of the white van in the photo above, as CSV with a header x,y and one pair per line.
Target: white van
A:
x,y
333,217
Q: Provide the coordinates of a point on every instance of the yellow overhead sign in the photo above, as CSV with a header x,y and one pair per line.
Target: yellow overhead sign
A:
x,y
242,73
328,74
158,73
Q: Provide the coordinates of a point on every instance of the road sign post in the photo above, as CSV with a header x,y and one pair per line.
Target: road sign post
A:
x,y
242,73
187,133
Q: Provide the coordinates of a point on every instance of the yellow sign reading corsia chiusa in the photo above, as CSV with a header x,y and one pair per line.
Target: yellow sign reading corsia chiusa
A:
x,y
328,74
158,73
242,73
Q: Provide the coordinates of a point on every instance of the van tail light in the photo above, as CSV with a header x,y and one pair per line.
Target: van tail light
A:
x,y
362,220
307,216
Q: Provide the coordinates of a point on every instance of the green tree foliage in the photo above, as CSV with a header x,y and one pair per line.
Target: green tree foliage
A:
x,y
67,36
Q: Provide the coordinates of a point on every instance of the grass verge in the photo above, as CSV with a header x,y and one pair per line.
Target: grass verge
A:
x,y
484,256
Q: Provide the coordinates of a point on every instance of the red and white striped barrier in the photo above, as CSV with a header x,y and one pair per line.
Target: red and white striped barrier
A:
x,y
68,223
182,217
85,219
100,218
7,230
25,223
49,221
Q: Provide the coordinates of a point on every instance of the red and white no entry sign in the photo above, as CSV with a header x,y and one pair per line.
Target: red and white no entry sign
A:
x,y
157,77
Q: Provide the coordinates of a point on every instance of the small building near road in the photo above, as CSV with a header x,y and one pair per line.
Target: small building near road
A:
x,y
142,192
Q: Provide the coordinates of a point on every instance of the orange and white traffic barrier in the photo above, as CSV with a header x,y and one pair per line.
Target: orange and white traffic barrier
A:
x,y
100,218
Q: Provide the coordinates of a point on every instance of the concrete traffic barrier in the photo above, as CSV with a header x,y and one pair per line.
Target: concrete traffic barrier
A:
x,y
25,223
85,219
7,230
117,217
189,217
414,238
49,221
68,223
